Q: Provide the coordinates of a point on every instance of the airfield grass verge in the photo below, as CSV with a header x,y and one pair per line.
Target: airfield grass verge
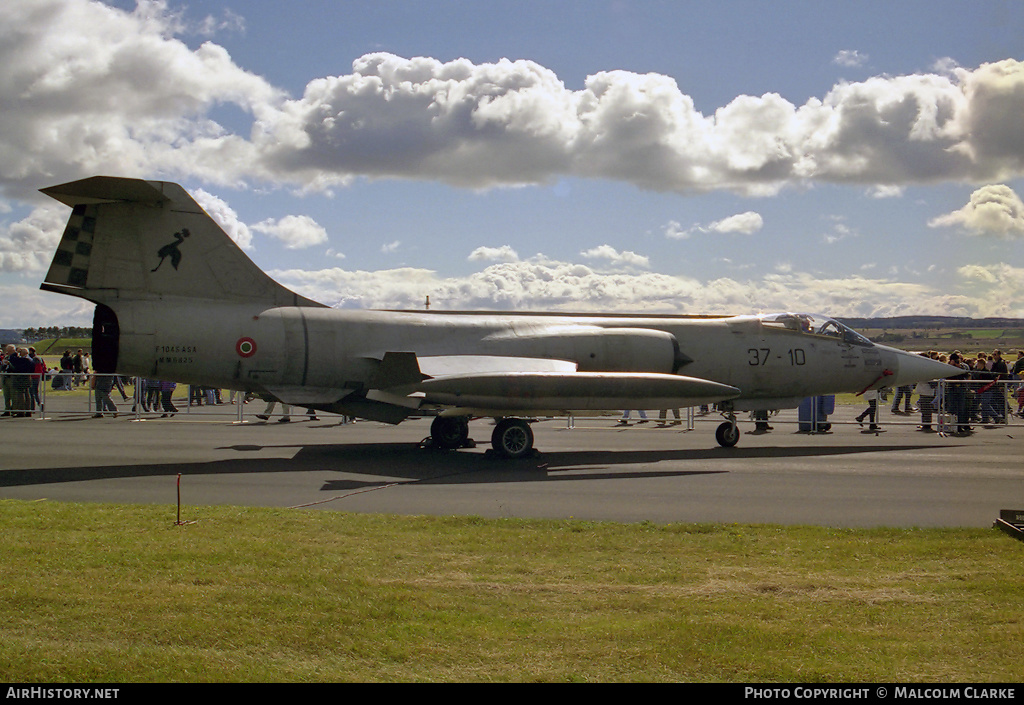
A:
x,y
118,593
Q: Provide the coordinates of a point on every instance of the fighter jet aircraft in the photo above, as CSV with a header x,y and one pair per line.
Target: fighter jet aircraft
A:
x,y
176,299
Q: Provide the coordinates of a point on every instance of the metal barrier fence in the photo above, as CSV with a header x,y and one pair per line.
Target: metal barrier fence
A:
x,y
955,405
952,405
61,394
962,404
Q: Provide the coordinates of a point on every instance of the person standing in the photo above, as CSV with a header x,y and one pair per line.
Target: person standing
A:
x,y
286,411
166,392
1018,365
993,396
102,384
663,417
904,393
1018,373
957,395
926,403
7,378
761,421
625,417
78,365
21,367
39,369
67,369
153,394
871,396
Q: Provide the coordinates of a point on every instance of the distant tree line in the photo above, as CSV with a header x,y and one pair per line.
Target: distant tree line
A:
x,y
46,332
933,322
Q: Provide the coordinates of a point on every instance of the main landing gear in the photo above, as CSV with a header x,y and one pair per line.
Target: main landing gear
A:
x,y
512,437
449,433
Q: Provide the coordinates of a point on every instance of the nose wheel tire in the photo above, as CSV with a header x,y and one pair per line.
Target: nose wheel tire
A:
x,y
727,434
513,438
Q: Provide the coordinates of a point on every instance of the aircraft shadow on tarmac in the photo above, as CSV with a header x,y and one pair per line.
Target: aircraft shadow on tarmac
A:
x,y
387,463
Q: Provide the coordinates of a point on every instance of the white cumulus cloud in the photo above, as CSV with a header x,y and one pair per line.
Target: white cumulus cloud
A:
x,y
743,223
226,217
295,231
541,284
746,223
625,258
494,254
992,210
27,245
91,88
850,57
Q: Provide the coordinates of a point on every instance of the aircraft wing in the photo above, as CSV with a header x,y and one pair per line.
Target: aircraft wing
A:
x,y
482,383
486,385
448,365
295,395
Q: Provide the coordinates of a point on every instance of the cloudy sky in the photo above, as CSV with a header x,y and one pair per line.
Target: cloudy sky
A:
x,y
851,158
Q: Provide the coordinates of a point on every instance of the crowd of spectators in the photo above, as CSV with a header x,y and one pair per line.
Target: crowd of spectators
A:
x,y
21,370
22,373
986,393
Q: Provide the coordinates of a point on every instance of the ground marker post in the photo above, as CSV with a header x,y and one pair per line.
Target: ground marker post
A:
x,y
179,522
1012,522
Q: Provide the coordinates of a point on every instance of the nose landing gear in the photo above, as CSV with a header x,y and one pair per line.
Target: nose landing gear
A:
x,y
728,433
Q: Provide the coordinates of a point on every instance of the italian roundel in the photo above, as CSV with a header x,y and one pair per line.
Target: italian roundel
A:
x,y
245,347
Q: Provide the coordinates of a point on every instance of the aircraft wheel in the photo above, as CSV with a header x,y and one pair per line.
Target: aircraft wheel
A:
x,y
449,431
727,435
513,438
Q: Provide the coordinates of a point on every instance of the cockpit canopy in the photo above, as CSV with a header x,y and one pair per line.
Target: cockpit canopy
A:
x,y
815,324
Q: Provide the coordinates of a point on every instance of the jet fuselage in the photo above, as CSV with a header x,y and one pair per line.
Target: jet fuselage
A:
x,y
251,347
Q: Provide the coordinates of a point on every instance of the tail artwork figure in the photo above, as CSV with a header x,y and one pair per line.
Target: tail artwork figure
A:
x,y
213,318
171,250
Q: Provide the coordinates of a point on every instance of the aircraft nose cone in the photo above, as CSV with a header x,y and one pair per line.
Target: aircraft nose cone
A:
x,y
917,368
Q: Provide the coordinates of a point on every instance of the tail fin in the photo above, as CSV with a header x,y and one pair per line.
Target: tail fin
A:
x,y
132,238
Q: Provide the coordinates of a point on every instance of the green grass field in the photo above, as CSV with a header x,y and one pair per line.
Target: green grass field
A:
x,y
946,340
97,593
51,348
